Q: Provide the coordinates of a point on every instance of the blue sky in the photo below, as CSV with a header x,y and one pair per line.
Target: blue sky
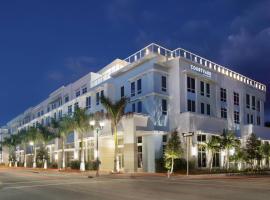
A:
x,y
46,44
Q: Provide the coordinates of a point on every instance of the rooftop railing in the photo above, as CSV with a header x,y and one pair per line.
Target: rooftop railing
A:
x,y
157,49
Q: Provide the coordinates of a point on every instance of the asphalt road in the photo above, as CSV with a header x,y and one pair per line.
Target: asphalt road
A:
x,y
28,185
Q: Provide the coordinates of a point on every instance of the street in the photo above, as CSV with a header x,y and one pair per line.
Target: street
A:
x,y
30,184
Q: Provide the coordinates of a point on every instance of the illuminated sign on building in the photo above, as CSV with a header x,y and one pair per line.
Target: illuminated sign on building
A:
x,y
202,71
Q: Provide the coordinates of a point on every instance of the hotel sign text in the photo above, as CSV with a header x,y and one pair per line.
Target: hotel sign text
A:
x,y
202,71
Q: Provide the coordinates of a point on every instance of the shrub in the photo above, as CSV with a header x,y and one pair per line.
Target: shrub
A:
x,y
53,165
180,164
75,164
91,165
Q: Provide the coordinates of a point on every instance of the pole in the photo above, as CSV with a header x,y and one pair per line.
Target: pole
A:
x,y
187,155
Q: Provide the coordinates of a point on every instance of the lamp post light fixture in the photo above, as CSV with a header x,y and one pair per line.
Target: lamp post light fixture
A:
x,y
97,125
188,136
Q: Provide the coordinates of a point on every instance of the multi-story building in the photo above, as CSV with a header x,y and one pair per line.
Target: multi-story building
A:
x,y
167,90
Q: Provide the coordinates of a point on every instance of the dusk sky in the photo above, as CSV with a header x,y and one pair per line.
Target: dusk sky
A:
x,y
47,44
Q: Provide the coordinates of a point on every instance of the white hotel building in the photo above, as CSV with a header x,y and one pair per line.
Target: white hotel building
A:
x,y
167,90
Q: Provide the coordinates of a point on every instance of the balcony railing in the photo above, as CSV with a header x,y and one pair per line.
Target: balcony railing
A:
x,y
157,49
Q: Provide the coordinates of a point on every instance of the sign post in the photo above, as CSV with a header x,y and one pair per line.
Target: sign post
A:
x,y
188,136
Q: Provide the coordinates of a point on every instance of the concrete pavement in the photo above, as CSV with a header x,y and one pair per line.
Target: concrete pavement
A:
x,y
31,184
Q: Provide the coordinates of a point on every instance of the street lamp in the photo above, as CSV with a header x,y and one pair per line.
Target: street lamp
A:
x,y
188,136
97,125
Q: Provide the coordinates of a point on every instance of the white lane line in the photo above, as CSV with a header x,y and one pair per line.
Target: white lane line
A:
x,y
52,184
40,181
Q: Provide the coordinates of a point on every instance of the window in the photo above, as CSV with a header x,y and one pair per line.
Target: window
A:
x,y
247,101
60,114
76,106
216,159
236,98
258,106
102,93
122,91
224,113
164,106
202,108
78,93
208,111
253,102
54,115
88,102
69,110
207,89
133,107
139,107
84,90
236,117
190,84
164,138
258,120
201,150
223,95
163,83
191,106
248,119
139,149
202,88
201,156
251,119
97,98
66,99
48,109
132,88
139,86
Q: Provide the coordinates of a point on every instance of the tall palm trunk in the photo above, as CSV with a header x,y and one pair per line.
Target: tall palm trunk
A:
x,y
35,157
116,167
82,165
25,158
63,154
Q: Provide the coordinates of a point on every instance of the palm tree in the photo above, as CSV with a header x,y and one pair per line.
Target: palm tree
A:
x,y
228,142
24,138
46,136
80,123
213,146
61,129
239,157
115,112
8,143
34,136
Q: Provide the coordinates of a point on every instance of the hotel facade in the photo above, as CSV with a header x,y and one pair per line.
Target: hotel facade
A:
x,y
167,90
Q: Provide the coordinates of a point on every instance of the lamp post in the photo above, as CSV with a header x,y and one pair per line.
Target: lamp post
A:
x,y
97,125
188,136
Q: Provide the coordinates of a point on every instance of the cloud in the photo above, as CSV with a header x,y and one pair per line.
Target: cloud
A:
x,y
72,69
55,76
